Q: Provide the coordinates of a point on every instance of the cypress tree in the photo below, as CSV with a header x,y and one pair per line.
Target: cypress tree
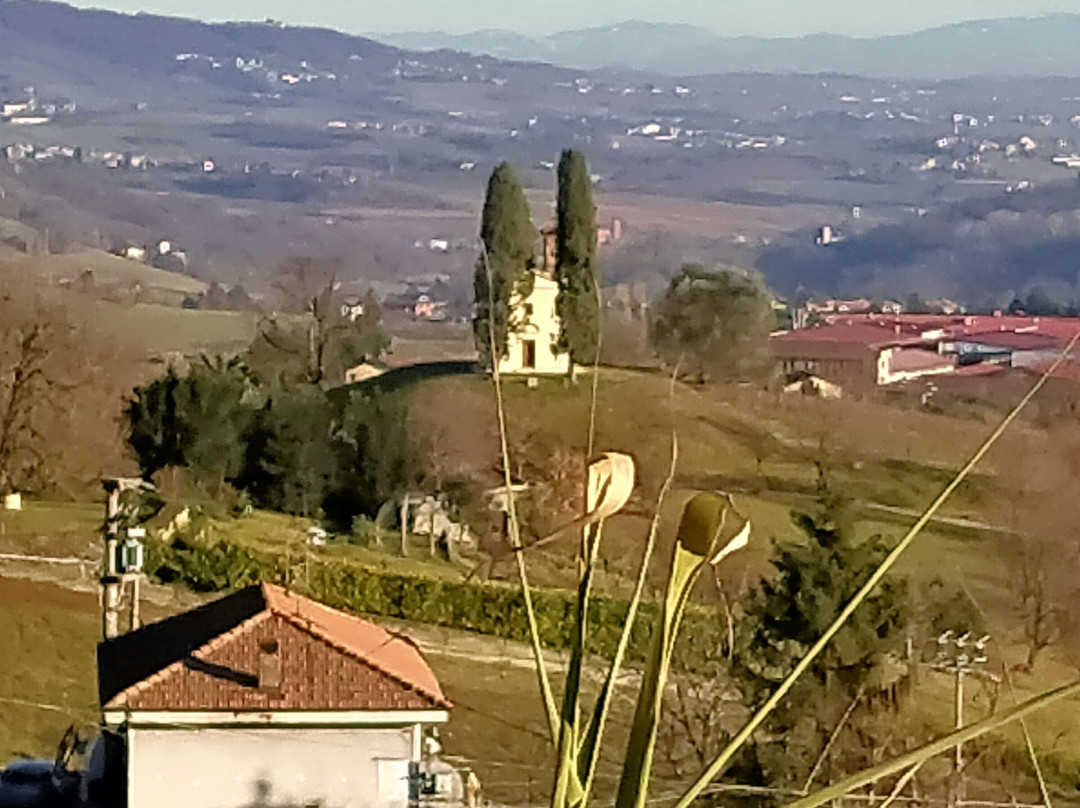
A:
x,y
509,239
577,304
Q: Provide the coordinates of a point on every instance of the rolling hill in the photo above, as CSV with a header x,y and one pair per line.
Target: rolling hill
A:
x,y
1012,46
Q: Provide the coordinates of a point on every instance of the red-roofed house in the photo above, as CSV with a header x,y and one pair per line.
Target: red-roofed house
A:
x,y
862,355
265,697
863,350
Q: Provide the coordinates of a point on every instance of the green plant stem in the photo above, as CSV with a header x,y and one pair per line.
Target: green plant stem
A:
x,y
590,445
594,734
568,786
720,763
515,528
924,753
901,784
1030,746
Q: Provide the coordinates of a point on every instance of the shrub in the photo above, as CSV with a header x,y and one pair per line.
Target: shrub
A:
x,y
491,608
364,532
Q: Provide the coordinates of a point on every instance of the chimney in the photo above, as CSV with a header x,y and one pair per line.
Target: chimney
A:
x,y
269,667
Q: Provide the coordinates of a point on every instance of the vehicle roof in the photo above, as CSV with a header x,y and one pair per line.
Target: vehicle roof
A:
x,y
29,765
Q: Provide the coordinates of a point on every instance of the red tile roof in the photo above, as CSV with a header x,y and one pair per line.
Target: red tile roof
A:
x,y
956,325
981,369
867,334
208,660
849,336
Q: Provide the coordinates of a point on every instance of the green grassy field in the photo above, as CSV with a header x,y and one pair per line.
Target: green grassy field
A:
x,y
52,528
47,677
143,330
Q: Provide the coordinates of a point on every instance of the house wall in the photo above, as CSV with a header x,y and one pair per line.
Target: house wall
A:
x,y
886,374
1024,359
854,375
284,767
540,327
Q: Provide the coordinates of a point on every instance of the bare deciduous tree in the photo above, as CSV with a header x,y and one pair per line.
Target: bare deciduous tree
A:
x,y
54,408
313,336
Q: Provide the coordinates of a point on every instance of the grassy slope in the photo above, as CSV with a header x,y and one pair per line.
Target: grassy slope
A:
x,y
49,635
875,452
144,329
111,270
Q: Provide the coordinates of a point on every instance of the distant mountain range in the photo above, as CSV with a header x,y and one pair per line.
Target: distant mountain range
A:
x,y
1017,46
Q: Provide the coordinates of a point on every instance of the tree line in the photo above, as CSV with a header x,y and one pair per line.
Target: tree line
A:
x,y
261,427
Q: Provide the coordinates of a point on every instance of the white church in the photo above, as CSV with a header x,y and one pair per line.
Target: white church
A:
x,y
530,350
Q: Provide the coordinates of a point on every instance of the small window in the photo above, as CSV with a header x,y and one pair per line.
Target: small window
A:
x,y
528,309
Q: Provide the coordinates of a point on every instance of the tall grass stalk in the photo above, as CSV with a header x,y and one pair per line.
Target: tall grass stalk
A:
x,y
720,763
940,746
511,508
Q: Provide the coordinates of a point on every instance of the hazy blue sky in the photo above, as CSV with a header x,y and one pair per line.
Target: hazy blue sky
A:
x,y
762,17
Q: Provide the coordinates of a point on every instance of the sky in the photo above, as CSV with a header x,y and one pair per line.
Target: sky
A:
x,y
534,17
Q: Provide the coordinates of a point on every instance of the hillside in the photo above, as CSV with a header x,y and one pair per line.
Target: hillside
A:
x,y
246,143
758,446
1001,47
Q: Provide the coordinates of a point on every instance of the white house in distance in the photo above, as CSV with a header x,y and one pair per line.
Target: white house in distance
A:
x,y
530,349
265,697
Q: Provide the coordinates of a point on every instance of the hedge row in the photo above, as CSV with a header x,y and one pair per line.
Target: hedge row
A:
x,y
494,609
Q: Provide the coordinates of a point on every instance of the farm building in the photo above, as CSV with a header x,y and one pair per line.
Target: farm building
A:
x,y
267,697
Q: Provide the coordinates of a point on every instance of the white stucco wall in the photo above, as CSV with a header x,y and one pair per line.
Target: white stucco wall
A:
x,y
233,767
541,327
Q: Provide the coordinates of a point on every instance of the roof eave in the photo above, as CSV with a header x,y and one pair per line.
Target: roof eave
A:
x,y
181,719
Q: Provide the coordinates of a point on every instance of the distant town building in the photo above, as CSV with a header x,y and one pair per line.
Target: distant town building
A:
x,y
826,235
352,309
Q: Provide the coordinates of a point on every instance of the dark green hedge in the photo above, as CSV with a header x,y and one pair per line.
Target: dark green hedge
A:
x,y
495,609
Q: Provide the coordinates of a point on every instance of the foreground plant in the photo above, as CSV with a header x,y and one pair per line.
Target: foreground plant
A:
x,y
709,530
707,519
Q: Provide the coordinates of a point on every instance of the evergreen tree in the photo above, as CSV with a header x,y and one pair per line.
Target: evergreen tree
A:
x,y
157,433
215,407
377,455
195,421
863,664
289,462
509,240
578,303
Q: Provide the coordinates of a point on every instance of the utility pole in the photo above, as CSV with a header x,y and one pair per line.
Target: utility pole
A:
x,y
123,558
959,655
110,580
958,763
